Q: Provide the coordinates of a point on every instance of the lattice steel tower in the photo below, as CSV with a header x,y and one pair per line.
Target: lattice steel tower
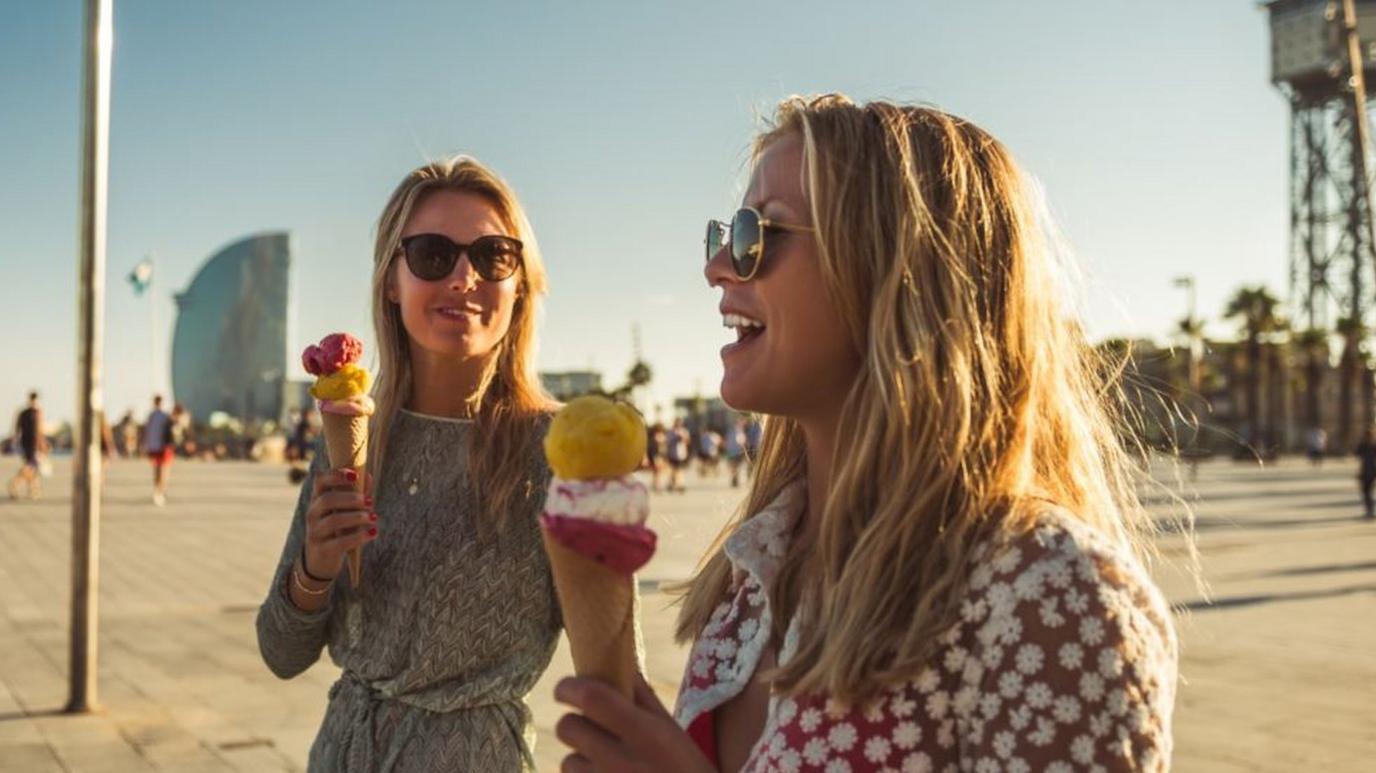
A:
x,y
1323,56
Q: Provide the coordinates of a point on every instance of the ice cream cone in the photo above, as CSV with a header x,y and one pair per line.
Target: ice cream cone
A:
x,y
346,441
598,604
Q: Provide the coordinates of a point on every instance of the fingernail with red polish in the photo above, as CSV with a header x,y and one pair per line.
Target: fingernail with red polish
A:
x,y
351,475
372,532
372,516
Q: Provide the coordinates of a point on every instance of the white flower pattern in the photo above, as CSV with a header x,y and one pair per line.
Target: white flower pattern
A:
x,y
1063,659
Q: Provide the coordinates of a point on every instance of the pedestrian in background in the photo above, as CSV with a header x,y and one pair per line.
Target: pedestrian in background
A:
x,y
158,446
32,447
1366,472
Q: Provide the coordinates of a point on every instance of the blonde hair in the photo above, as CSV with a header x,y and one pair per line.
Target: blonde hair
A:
x,y
977,401
510,402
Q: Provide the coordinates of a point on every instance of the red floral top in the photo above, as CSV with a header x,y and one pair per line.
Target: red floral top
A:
x,y
1064,659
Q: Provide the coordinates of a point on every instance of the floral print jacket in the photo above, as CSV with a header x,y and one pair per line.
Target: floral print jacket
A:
x,y
1064,659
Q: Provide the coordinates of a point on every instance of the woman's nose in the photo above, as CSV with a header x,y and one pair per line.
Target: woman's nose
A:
x,y
719,269
464,277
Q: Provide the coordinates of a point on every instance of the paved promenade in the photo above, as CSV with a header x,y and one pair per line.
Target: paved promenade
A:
x,y
1279,668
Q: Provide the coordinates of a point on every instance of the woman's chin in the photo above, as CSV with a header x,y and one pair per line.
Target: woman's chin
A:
x,y
738,393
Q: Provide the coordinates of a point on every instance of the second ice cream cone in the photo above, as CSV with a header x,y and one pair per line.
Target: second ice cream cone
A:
x,y
346,441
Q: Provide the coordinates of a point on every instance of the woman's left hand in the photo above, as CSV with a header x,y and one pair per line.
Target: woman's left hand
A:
x,y
615,735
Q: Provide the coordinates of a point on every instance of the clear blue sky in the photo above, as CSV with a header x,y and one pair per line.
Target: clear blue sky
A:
x,y
623,126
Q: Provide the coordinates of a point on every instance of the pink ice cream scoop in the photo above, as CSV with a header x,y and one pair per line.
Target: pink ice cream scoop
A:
x,y
601,519
332,353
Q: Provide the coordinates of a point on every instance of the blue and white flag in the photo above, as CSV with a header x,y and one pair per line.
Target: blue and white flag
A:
x,y
142,276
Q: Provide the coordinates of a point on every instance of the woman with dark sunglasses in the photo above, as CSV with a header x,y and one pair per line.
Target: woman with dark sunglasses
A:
x,y
456,618
939,563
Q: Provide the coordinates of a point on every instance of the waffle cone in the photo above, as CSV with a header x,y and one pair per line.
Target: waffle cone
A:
x,y
599,616
346,441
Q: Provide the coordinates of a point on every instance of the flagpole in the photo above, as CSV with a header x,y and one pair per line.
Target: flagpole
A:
x,y
153,299
95,104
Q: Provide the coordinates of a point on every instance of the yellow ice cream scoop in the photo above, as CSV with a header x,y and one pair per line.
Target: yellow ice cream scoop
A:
x,y
593,437
342,384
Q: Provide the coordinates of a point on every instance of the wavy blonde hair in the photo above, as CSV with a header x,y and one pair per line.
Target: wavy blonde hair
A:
x,y
510,402
977,401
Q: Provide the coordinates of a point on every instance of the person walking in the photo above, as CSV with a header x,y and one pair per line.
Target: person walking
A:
x,y
733,448
107,450
678,450
709,452
32,446
1366,472
158,446
127,436
655,451
1316,445
304,435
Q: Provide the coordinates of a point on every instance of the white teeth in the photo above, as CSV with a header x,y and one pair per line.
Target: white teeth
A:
x,y
736,320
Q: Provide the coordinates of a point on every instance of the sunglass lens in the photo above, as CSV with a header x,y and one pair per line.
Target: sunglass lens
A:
x,y
430,256
716,238
495,258
745,242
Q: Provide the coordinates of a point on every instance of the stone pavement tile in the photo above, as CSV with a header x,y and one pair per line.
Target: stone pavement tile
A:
x,y
183,754
295,743
255,756
9,706
31,678
17,729
92,756
79,729
30,757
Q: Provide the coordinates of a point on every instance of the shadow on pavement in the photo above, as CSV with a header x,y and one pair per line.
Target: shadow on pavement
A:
x,y
13,715
1301,571
1207,605
1206,523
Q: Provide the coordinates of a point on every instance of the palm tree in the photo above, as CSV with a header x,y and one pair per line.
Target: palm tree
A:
x,y
1350,366
1312,346
1255,309
1277,384
639,375
1192,330
1191,404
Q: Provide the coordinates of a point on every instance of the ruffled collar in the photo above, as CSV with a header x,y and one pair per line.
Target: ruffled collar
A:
x,y
757,547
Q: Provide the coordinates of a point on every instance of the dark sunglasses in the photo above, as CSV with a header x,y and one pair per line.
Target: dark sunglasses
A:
x,y
744,236
431,257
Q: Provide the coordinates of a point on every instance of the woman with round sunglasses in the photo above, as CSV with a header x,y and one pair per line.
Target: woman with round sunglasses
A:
x,y
939,563
456,618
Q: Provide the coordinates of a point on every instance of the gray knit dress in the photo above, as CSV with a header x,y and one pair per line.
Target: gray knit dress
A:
x,y
450,631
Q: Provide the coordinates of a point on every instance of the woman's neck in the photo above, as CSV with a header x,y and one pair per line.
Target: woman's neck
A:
x,y
819,436
445,386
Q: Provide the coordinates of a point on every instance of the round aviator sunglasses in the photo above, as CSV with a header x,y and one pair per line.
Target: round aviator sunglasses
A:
x,y
744,236
431,257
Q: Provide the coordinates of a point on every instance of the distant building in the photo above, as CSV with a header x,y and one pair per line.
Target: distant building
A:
x,y
297,395
709,412
567,385
229,348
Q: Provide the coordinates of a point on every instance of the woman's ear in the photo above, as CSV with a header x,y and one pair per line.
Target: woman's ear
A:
x,y
390,288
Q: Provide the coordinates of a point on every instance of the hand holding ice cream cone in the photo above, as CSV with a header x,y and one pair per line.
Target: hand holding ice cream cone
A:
x,y
341,388
594,532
